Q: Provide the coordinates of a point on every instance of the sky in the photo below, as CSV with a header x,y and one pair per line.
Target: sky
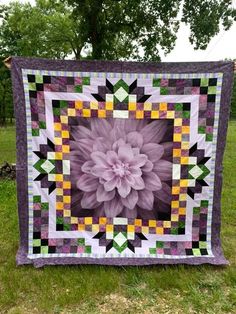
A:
x,y
220,47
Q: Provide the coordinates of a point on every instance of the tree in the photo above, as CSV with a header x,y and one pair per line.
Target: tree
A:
x,y
138,29
108,29
43,30
6,109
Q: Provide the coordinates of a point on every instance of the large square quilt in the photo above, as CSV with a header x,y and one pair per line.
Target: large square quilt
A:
x,y
120,163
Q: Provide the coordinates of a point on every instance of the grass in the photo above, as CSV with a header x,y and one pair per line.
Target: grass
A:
x,y
7,141
100,289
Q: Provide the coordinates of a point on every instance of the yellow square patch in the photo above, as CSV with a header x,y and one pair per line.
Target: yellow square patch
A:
x,y
66,184
71,112
109,105
174,217
166,224
155,114
178,122
163,106
159,230
86,113
66,199
148,106
130,228
57,126
101,113
66,213
88,220
65,134
152,223
132,106
184,160
94,105
170,114
64,119
177,137
139,114
78,105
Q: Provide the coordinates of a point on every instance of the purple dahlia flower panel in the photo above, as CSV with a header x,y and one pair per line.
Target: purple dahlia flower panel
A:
x,y
120,163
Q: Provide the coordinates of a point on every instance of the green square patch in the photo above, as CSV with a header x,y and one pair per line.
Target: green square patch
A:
x,y
156,82
78,88
35,132
163,91
86,80
204,82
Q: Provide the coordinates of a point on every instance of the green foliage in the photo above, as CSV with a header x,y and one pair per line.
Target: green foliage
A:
x,y
108,29
105,29
43,30
205,18
100,289
6,108
137,29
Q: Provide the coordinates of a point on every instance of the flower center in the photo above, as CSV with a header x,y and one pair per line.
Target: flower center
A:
x,y
120,169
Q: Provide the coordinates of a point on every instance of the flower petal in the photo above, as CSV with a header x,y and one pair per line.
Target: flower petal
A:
x,y
130,179
100,127
87,183
135,172
99,212
135,139
125,153
98,171
89,200
102,195
113,207
111,157
138,161
82,147
153,151
134,125
87,166
100,159
117,144
164,194
148,166
118,131
131,200
152,181
129,213
101,144
163,169
80,132
110,185
124,188
138,184
136,151
108,175
168,149
145,199
154,131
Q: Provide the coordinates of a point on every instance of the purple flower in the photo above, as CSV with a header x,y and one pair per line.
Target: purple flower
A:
x,y
120,167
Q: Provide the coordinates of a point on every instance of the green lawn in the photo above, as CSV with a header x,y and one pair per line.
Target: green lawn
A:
x,y
98,289
7,142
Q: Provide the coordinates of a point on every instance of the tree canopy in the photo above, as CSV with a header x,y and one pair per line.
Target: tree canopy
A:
x,y
104,29
108,29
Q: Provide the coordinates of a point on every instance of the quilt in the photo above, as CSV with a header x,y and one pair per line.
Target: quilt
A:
x,y
120,163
